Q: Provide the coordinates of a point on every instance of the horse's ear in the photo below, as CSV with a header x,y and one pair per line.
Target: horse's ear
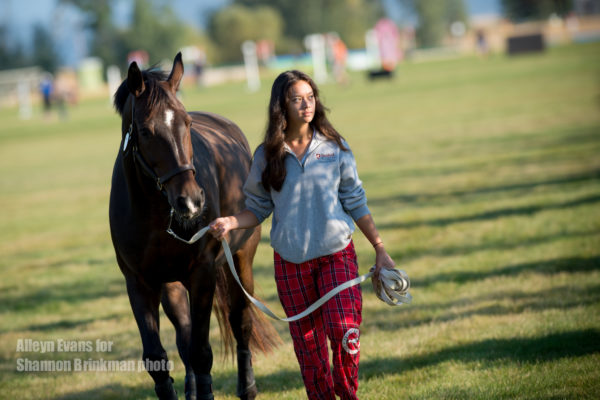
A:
x,y
176,73
135,81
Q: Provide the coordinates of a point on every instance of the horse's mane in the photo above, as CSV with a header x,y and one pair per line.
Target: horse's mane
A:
x,y
153,91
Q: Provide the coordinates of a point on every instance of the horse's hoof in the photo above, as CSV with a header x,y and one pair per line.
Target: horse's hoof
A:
x,y
190,387
165,390
246,387
204,387
250,392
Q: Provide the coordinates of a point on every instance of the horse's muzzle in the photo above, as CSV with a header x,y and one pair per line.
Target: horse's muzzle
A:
x,y
189,206
186,207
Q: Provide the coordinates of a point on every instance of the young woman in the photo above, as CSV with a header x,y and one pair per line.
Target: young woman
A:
x,y
305,174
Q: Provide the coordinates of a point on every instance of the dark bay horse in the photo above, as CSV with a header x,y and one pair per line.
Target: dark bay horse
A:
x,y
182,170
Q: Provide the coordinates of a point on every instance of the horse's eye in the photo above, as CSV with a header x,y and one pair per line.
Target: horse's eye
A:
x,y
145,132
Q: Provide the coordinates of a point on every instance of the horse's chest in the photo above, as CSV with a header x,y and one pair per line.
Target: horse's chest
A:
x,y
169,262
163,260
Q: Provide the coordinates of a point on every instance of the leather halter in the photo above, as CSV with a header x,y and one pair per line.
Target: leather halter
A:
x,y
131,136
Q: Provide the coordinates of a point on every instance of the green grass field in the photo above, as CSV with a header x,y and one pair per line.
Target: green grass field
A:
x,y
483,176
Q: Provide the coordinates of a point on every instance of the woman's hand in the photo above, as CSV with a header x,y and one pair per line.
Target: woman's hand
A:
x,y
382,260
221,226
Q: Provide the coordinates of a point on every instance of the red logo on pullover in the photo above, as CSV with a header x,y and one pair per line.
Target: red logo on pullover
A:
x,y
327,156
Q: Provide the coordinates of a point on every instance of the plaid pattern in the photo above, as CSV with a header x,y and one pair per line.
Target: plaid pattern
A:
x,y
300,285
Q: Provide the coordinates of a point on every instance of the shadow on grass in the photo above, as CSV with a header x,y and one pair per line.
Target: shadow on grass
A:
x,y
552,266
548,267
506,243
517,350
71,293
485,352
563,297
540,349
114,391
513,154
280,381
591,175
494,214
68,324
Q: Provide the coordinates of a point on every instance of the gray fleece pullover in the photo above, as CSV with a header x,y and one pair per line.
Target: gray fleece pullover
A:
x,y
313,211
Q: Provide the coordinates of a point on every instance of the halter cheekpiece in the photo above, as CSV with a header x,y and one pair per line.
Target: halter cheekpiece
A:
x,y
130,141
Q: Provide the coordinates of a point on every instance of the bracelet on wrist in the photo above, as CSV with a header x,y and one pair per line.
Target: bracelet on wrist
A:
x,y
377,244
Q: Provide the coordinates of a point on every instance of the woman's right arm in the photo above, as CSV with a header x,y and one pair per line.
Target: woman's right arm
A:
x,y
258,202
243,220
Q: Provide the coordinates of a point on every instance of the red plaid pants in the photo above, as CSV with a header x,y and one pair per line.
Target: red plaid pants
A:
x,y
299,286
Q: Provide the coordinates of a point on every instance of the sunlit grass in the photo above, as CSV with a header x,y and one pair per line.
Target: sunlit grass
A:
x,y
482,175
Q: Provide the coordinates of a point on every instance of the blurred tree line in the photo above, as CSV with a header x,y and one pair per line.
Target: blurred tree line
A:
x,y
435,18
286,23
519,10
43,53
155,28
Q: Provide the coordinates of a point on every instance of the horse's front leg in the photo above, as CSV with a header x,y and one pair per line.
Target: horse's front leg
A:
x,y
144,301
202,289
177,307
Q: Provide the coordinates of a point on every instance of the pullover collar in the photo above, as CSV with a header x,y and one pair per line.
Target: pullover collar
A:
x,y
317,139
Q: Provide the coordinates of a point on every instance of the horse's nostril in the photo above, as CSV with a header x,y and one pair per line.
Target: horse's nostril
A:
x,y
201,199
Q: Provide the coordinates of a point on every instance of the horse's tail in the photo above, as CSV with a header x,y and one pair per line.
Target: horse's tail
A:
x,y
264,337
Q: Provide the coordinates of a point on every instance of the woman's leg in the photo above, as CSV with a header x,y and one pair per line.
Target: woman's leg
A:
x,y
342,318
297,290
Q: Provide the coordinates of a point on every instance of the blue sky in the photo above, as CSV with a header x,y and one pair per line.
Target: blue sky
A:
x,y
21,15
25,13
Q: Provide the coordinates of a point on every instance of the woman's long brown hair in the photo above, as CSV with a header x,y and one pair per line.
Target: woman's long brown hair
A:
x,y
274,173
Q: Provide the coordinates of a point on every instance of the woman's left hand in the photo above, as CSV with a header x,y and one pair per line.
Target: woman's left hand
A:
x,y
382,260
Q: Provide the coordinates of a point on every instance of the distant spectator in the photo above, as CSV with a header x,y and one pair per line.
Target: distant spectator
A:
x,y
265,50
338,55
46,89
60,98
140,57
482,46
199,66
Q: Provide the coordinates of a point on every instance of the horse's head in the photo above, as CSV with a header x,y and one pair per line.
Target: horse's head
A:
x,y
161,127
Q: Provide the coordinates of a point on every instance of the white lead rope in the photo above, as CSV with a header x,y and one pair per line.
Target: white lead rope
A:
x,y
392,286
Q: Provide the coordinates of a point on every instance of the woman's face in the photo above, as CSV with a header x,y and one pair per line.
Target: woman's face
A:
x,y
301,104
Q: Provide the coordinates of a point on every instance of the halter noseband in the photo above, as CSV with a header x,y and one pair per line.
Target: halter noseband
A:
x,y
131,136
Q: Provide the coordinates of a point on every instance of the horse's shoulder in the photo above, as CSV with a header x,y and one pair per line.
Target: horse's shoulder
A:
x,y
213,121
217,130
